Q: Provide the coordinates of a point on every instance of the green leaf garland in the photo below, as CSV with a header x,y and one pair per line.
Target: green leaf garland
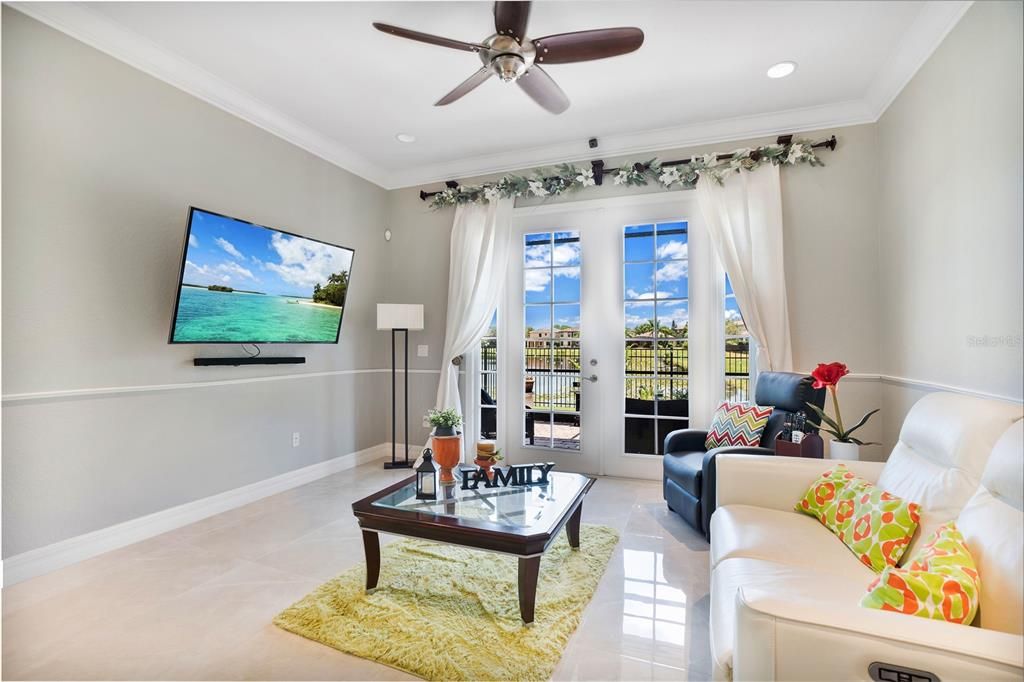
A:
x,y
568,177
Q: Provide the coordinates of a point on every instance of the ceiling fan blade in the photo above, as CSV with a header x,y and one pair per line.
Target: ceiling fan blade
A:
x,y
510,18
543,90
582,46
427,38
465,86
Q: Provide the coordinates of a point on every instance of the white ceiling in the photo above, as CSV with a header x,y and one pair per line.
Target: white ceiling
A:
x,y
320,76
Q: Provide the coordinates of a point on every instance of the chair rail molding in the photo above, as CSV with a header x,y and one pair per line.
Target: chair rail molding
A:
x,y
71,393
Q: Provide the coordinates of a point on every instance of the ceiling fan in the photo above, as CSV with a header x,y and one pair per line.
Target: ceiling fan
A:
x,y
514,58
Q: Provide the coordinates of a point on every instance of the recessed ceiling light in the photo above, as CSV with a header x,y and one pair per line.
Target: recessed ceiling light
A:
x,y
781,70
405,137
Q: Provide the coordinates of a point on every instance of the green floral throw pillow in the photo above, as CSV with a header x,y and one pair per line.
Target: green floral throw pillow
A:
x,y
875,525
940,581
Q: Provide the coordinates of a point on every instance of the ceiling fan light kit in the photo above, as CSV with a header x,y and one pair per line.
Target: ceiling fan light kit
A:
x,y
514,59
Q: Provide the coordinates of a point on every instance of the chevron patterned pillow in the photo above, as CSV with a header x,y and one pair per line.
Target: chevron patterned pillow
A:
x,y
737,424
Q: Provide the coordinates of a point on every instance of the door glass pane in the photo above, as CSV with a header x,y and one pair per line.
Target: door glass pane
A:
x,y
537,250
639,320
639,357
537,429
640,395
638,281
538,322
567,284
671,279
566,320
665,427
538,357
551,315
537,286
566,249
489,381
672,241
737,350
640,436
638,243
673,319
655,267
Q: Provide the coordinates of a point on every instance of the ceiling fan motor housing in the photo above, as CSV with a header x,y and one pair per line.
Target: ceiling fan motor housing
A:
x,y
506,57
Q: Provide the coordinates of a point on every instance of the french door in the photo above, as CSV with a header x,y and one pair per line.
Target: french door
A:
x,y
607,331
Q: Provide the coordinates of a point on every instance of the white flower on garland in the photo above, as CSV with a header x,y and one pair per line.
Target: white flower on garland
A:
x,y
586,178
491,192
622,176
537,188
796,152
669,176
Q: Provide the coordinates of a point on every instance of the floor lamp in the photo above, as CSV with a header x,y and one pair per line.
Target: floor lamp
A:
x,y
399,317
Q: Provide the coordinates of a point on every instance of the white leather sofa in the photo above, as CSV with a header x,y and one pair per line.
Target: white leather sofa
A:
x,y
785,592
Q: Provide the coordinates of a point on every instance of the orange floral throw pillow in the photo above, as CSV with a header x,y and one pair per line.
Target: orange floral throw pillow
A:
x,y
940,581
876,526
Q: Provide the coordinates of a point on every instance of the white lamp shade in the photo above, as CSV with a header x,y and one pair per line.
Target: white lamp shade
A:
x,y
400,316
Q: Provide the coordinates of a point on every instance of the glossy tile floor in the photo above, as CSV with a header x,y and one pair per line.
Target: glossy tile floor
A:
x,y
197,603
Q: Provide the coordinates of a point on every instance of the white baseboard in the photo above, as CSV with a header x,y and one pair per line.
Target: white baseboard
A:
x,y
43,560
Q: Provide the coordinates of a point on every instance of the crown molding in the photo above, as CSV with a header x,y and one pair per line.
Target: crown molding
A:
x,y
83,24
934,21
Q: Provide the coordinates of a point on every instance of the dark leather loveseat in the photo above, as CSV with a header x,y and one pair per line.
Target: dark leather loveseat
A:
x,y
689,477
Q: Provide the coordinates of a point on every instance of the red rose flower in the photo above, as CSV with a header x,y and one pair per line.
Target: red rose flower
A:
x,y
829,375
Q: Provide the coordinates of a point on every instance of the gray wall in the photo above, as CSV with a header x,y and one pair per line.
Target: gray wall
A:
x,y
832,298
951,210
100,163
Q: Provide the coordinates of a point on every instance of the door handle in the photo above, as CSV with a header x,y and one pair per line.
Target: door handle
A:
x,y
592,378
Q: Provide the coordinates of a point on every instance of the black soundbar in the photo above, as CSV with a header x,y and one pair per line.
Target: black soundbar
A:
x,y
235,362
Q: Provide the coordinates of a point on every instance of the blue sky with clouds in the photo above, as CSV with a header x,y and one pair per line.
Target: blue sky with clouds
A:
x,y
655,277
244,256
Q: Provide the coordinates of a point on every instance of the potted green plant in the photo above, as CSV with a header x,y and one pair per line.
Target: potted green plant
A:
x,y
445,421
844,445
446,444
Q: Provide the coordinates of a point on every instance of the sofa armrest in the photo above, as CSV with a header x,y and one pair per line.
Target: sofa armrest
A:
x,y
787,637
775,482
686,440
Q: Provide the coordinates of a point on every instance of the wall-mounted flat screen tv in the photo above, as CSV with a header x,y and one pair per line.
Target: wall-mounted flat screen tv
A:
x,y
245,283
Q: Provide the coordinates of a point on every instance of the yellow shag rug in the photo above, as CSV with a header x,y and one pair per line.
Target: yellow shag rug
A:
x,y
449,613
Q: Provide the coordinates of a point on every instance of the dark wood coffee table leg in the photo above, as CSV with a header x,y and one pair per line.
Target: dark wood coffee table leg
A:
x,y
572,527
529,568
371,545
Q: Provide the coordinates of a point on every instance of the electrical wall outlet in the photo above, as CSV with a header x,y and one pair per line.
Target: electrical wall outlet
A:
x,y
296,439
426,423
422,351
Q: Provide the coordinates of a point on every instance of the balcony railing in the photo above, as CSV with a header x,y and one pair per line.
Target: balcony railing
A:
x,y
553,374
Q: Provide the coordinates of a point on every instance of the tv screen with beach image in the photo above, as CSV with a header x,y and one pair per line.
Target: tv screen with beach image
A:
x,y
244,283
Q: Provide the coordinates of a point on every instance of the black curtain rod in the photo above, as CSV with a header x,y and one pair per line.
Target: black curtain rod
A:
x,y
599,169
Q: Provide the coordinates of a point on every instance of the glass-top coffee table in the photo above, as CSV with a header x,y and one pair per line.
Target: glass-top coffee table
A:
x,y
519,520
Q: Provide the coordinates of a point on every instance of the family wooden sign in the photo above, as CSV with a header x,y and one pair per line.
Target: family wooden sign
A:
x,y
516,474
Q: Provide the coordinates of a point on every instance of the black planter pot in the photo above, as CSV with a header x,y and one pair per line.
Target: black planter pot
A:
x,y
444,431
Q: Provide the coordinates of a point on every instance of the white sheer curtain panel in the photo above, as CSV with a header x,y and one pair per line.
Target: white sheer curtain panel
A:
x,y
480,246
744,221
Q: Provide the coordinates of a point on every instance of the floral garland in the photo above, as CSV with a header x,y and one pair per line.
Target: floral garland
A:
x,y
568,177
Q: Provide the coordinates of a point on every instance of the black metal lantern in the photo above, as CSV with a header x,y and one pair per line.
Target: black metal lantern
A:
x,y
426,477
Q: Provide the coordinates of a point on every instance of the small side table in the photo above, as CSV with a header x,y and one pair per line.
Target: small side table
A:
x,y
811,447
